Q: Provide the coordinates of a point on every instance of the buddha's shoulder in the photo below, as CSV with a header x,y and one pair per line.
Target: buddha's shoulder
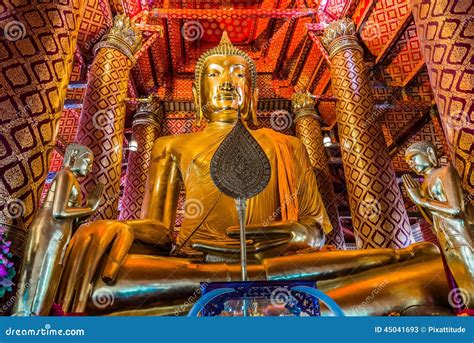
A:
x,y
173,142
445,170
270,134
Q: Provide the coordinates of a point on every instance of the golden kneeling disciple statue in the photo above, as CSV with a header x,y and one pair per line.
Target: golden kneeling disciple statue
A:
x,y
441,201
51,230
136,267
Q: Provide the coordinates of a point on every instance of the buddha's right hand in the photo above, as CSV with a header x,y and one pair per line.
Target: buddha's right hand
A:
x,y
89,245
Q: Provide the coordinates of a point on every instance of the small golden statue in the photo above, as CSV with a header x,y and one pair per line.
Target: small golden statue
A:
x,y
51,230
440,200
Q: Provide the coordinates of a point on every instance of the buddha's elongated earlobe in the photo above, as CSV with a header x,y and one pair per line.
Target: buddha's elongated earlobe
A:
x,y
254,106
432,157
197,104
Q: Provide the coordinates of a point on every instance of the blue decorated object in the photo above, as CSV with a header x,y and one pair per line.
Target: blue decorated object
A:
x,y
262,298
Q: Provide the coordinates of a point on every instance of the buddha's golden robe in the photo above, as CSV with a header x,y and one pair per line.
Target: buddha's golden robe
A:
x,y
291,194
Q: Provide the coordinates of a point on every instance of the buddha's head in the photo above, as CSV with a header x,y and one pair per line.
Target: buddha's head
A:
x,y
421,157
78,159
225,80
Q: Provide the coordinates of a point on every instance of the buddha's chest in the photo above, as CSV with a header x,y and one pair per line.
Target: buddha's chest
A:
x,y
432,188
196,161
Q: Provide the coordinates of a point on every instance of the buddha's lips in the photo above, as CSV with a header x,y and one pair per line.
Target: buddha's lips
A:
x,y
227,96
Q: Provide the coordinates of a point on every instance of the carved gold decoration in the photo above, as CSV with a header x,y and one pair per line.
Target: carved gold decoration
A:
x,y
123,36
303,104
340,35
444,30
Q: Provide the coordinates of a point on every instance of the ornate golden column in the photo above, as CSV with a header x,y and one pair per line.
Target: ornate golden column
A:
x,y
308,129
36,54
444,30
101,125
146,128
378,214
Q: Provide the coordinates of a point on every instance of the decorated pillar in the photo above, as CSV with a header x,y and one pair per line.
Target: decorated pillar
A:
x,y
378,214
445,33
308,129
36,53
146,128
102,121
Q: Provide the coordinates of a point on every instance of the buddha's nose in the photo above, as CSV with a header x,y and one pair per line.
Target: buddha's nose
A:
x,y
227,86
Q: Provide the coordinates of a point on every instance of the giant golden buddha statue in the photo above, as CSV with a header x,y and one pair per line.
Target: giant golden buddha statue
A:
x,y
139,264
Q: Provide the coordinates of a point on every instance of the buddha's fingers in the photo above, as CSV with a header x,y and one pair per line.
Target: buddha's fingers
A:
x,y
409,182
413,183
405,180
122,244
75,255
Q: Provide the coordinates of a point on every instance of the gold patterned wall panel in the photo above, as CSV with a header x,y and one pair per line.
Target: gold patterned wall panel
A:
x,y
36,53
446,31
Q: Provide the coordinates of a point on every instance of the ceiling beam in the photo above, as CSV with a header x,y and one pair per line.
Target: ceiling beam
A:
x,y
301,61
414,73
366,14
392,41
209,14
284,49
409,131
315,72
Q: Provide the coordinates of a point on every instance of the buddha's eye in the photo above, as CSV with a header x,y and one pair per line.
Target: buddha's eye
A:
x,y
213,73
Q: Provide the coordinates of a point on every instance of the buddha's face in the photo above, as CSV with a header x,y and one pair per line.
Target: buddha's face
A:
x,y
83,165
225,87
419,162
